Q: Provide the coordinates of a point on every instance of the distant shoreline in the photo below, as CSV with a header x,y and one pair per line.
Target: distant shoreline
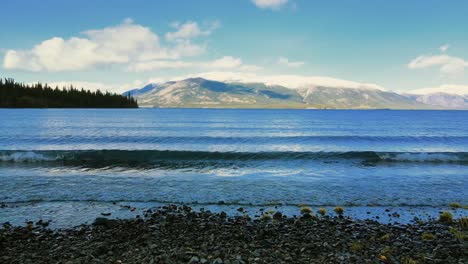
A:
x,y
238,108
297,108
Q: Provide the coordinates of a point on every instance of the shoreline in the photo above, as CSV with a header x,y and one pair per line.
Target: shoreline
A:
x,y
69,214
181,234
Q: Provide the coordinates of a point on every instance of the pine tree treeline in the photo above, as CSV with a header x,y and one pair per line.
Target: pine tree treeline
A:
x,y
19,95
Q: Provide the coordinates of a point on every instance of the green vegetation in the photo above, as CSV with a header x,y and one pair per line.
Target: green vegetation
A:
x,y
385,237
322,211
20,95
339,210
356,246
408,261
427,236
306,210
460,231
455,205
386,251
463,223
446,217
461,236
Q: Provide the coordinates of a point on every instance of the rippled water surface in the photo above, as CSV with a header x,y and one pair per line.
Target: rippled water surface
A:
x,y
258,157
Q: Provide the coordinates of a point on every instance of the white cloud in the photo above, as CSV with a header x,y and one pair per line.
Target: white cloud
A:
x,y
190,30
445,88
157,65
292,64
185,49
444,47
250,68
121,44
271,4
446,64
226,62
290,81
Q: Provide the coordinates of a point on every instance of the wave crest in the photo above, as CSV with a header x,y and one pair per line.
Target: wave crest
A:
x,y
24,156
148,157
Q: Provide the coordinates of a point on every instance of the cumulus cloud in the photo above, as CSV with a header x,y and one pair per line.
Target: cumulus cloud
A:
x,y
446,64
289,81
226,62
157,65
190,30
270,4
445,88
121,44
292,64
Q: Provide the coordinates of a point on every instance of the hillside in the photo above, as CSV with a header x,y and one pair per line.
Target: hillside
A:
x,y
443,100
202,93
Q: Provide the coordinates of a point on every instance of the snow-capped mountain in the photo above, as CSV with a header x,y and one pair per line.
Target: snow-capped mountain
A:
x,y
444,100
446,96
198,92
353,98
203,93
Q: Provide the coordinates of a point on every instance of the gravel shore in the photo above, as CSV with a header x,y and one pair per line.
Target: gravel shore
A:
x,y
178,234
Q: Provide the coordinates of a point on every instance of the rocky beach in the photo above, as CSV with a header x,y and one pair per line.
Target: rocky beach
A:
x,y
180,234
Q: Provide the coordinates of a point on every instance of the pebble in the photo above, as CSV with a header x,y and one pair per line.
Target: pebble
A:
x,y
173,234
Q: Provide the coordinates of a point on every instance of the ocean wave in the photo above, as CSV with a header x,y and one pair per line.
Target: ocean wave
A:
x,y
25,156
425,157
149,157
268,137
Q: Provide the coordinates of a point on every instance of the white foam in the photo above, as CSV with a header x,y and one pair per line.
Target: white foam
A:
x,y
24,156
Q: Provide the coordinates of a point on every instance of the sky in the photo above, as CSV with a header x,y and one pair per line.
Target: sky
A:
x,y
419,45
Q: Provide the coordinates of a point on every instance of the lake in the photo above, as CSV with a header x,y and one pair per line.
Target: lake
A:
x,y
71,164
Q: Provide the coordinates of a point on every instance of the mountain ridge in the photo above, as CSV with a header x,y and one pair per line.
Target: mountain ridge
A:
x,y
203,93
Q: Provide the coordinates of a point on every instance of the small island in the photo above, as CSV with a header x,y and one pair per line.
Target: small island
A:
x,y
20,95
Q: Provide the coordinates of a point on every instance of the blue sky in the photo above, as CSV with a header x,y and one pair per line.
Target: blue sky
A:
x,y
397,45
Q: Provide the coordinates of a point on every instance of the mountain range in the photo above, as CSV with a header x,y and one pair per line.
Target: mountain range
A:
x,y
203,93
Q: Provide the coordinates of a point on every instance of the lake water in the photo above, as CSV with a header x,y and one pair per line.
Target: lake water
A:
x,y
64,160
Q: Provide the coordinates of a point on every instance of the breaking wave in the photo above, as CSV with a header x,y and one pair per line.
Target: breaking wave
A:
x,y
148,157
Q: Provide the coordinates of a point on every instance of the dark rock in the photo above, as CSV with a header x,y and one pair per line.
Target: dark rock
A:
x,y
277,216
306,216
101,221
178,234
